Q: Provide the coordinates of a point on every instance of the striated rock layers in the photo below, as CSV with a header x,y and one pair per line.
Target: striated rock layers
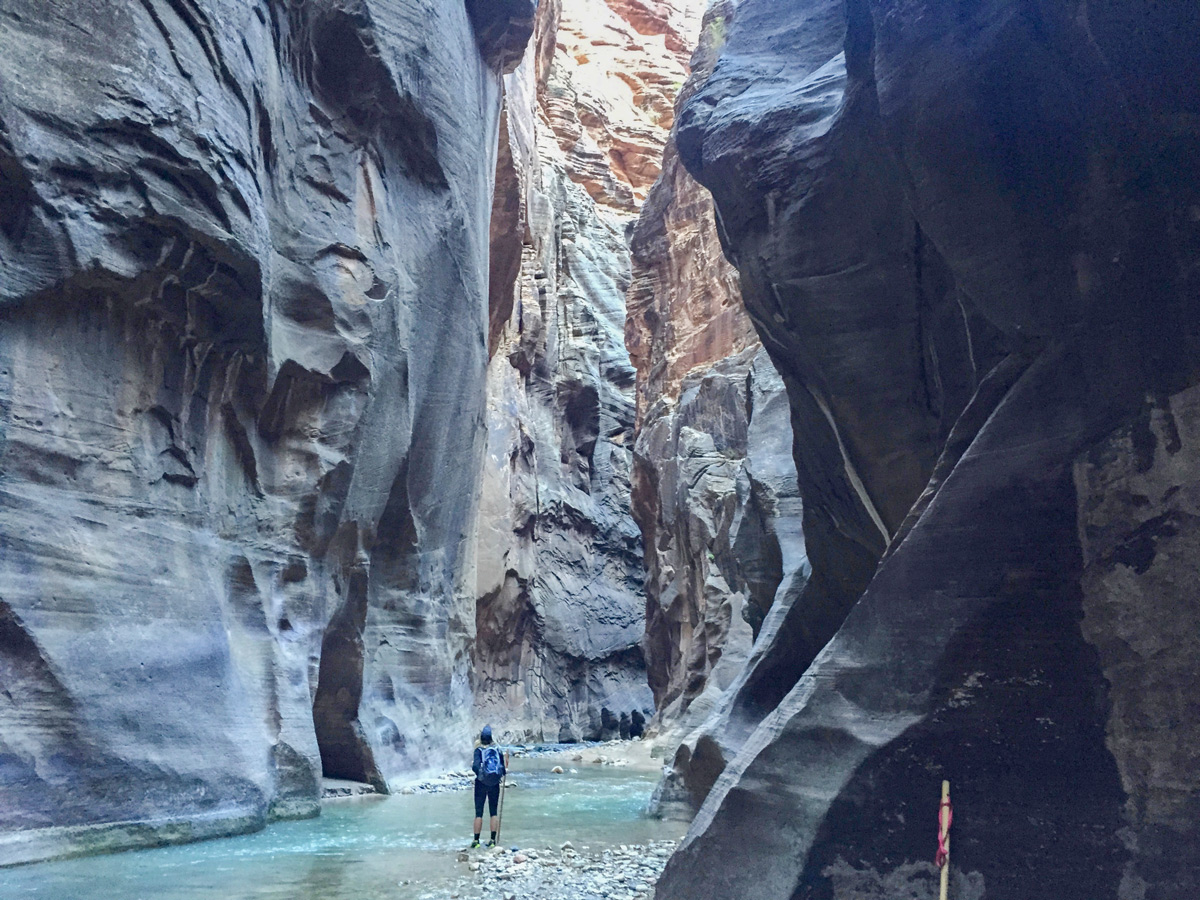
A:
x,y
714,482
968,234
561,610
611,96
243,333
717,498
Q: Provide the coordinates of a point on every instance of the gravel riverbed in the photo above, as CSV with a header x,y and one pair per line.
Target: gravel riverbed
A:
x,y
626,872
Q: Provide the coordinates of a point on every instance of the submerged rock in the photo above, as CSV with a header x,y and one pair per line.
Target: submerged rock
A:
x,y
337,789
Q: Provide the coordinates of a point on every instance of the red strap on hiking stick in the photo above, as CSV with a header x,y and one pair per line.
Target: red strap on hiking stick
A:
x,y
943,850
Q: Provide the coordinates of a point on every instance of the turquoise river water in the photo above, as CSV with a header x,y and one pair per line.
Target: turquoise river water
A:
x,y
401,847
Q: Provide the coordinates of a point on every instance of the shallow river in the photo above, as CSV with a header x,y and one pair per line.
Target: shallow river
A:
x,y
402,846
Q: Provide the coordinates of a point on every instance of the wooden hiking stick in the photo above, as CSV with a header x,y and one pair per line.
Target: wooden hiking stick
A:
x,y
500,811
945,817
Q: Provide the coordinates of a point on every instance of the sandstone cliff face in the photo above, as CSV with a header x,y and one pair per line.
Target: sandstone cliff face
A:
x,y
714,482
685,305
561,610
717,498
966,234
242,354
611,98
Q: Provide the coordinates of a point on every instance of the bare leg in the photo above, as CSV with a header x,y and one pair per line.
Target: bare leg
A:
x,y
478,823
495,823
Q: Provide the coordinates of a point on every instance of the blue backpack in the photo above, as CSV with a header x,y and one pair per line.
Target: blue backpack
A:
x,y
491,766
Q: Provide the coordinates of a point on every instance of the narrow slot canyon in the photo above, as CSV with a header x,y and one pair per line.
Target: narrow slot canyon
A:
x,y
766,416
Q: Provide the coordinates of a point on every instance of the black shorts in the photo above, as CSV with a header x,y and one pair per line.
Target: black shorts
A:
x,y
490,792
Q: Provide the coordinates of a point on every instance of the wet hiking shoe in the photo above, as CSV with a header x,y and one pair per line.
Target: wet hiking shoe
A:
x,y
491,844
474,845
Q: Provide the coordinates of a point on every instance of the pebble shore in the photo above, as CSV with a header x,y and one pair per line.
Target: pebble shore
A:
x,y
627,872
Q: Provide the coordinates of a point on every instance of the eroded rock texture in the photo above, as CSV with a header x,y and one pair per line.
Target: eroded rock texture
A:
x,y
1137,494
714,482
967,234
611,98
685,309
561,611
718,462
717,498
243,256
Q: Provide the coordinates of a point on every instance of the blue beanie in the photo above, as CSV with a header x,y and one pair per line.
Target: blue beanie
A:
x,y
486,734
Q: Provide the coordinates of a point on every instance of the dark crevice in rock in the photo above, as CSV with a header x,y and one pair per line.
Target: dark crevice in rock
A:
x,y
502,29
395,546
152,10
580,404
507,238
345,752
17,196
506,632
297,390
240,439
266,143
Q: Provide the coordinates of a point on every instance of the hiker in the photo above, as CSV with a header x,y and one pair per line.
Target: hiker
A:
x,y
490,766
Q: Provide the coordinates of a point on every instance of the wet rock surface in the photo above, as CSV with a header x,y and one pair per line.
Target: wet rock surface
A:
x,y
339,789
242,354
949,221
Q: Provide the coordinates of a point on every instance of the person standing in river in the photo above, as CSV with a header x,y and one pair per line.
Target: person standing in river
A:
x,y
490,766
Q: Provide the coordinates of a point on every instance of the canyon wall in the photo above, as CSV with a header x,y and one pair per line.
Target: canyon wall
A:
x,y
243,342
561,609
714,482
968,236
